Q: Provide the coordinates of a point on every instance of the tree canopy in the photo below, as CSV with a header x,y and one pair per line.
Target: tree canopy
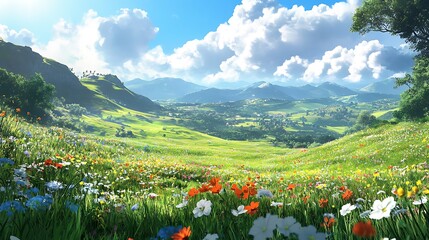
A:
x,y
409,19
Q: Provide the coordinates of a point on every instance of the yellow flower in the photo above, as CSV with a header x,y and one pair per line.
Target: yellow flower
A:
x,y
426,191
415,189
419,183
81,183
400,192
409,194
407,182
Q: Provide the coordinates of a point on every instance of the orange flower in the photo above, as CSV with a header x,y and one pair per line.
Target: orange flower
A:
x,y
347,194
216,188
305,199
48,162
364,229
323,202
245,191
58,165
28,113
252,208
204,188
18,110
3,113
327,222
193,192
183,234
291,186
214,181
342,188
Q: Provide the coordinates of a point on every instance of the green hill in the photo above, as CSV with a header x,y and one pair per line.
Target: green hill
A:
x,y
112,88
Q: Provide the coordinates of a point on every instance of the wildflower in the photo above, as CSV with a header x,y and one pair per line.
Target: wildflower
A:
x,y
183,204
214,181
39,202
10,206
415,189
346,209
152,195
252,208
183,234
240,210
72,206
276,204
216,188
192,192
54,186
18,110
309,232
328,221
204,207
204,188
287,225
305,199
381,209
135,207
211,237
6,161
347,194
323,203
264,193
3,113
27,153
423,200
48,162
291,186
364,229
167,232
263,227
400,192
365,214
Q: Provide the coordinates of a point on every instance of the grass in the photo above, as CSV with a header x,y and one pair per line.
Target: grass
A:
x,y
108,184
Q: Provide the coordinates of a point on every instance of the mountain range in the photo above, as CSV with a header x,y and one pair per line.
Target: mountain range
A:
x,y
163,88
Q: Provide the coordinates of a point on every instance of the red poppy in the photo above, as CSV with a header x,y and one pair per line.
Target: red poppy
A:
x,y
364,229
252,208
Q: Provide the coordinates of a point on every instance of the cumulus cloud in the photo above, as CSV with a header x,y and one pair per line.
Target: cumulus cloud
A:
x,y
21,37
105,44
262,40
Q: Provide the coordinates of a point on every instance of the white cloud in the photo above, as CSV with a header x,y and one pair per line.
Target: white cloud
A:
x,y
21,37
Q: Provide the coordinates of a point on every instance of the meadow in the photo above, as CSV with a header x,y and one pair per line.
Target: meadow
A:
x,y
175,183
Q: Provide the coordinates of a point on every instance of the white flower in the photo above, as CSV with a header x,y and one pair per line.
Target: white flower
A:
x,y
240,210
346,209
263,227
211,237
54,186
276,204
287,225
183,204
381,209
204,207
381,192
152,195
423,200
310,232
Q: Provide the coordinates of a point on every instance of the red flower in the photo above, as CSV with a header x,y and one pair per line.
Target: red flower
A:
x,y
48,162
364,229
216,188
291,186
347,194
58,165
183,234
193,192
252,208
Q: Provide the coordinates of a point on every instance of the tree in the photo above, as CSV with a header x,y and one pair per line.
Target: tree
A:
x,y
408,19
36,95
414,102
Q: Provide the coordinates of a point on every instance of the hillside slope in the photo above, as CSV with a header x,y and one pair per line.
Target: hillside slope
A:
x,y
22,60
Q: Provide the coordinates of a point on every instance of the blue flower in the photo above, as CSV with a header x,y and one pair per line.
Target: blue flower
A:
x,y
9,206
135,207
6,161
39,202
72,206
167,232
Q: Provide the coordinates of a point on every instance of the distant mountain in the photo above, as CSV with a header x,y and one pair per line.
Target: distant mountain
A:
x,y
163,88
23,61
367,97
385,87
101,95
265,90
334,89
113,89
211,95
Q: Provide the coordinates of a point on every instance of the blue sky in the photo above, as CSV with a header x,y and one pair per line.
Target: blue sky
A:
x,y
208,42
